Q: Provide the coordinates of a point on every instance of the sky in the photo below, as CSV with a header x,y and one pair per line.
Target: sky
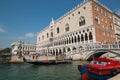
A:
x,y
22,19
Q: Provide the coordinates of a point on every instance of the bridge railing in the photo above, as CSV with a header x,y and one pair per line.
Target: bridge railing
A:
x,y
92,47
95,46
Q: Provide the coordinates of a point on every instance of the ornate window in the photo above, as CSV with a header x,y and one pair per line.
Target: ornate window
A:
x,y
47,35
101,11
58,30
97,20
42,37
51,34
72,14
111,26
96,8
82,21
67,27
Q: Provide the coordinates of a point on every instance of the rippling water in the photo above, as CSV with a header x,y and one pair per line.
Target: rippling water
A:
x,y
26,71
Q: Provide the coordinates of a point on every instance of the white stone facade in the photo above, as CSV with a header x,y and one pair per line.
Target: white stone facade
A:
x,y
117,26
23,47
71,21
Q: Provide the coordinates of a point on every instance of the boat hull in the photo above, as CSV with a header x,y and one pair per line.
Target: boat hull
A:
x,y
46,62
42,62
98,77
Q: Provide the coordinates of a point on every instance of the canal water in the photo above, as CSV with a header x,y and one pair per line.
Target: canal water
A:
x,y
25,71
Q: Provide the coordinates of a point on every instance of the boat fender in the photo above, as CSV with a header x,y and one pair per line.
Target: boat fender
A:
x,y
113,72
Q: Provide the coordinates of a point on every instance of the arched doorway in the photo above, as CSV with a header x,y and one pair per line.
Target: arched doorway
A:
x,y
72,39
75,39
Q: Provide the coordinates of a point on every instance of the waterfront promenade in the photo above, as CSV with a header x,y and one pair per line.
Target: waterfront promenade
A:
x,y
117,77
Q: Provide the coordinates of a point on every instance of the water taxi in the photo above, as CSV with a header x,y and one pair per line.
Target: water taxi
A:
x,y
100,69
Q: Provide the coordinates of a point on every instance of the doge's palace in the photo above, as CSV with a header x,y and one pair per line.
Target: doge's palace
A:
x,y
89,22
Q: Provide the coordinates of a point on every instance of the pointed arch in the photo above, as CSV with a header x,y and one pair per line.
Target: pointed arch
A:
x,y
53,52
47,35
82,38
86,37
58,30
75,39
78,38
51,34
90,36
72,40
69,40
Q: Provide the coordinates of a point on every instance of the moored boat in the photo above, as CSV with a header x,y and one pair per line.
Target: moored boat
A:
x,y
45,60
101,68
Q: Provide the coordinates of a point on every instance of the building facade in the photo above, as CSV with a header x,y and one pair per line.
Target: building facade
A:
x,y
117,27
23,47
89,22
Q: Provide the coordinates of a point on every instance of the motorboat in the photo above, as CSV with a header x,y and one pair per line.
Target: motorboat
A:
x,y
100,68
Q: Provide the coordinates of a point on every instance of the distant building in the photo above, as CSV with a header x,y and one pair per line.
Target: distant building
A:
x,y
117,26
89,22
23,47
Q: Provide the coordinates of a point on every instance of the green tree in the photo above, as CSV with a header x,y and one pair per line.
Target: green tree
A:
x,y
6,50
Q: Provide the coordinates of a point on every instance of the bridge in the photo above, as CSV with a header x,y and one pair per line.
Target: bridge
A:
x,y
88,51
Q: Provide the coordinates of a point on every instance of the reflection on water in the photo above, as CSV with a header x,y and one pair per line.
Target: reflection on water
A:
x,y
25,71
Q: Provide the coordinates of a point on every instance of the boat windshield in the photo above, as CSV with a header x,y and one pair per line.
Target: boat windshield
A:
x,y
99,63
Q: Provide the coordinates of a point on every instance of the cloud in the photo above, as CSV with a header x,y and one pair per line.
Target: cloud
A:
x,y
2,30
30,35
26,36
